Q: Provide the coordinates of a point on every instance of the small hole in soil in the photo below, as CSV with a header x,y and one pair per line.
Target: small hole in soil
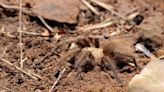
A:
x,y
1,68
28,5
126,70
87,67
57,74
138,19
29,46
11,73
19,81
39,88
10,13
121,64
40,67
72,61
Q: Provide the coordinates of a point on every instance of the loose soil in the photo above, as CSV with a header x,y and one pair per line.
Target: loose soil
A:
x,y
92,80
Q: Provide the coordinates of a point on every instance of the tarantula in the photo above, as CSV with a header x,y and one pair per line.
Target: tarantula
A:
x,y
115,49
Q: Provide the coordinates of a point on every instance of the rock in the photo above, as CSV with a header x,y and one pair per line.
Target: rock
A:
x,y
65,11
151,78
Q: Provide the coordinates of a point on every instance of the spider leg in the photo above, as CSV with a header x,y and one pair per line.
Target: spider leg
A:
x,y
112,65
136,62
133,60
62,61
80,62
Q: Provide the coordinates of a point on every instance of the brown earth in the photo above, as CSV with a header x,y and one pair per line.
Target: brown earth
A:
x,y
92,77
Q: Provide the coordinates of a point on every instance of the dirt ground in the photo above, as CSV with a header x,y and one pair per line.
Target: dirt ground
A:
x,y
94,77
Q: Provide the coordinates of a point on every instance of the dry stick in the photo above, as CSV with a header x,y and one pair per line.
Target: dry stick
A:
x,y
32,33
33,75
29,12
9,35
20,33
21,63
69,75
4,52
99,25
6,88
43,21
25,72
107,7
90,7
57,80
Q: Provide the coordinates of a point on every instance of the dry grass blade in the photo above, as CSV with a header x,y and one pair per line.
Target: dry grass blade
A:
x,y
32,33
98,26
20,69
8,34
21,63
104,5
90,7
4,52
20,33
44,22
29,12
57,80
3,31
107,7
6,88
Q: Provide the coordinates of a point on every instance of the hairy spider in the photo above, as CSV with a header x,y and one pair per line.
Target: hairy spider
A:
x,y
115,49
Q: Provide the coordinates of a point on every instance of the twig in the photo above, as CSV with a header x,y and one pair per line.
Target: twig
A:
x,y
20,33
21,63
98,26
2,31
32,33
18,68
4,52
43,21
57,80
29,12
6,88
107,7
69,75
90,7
